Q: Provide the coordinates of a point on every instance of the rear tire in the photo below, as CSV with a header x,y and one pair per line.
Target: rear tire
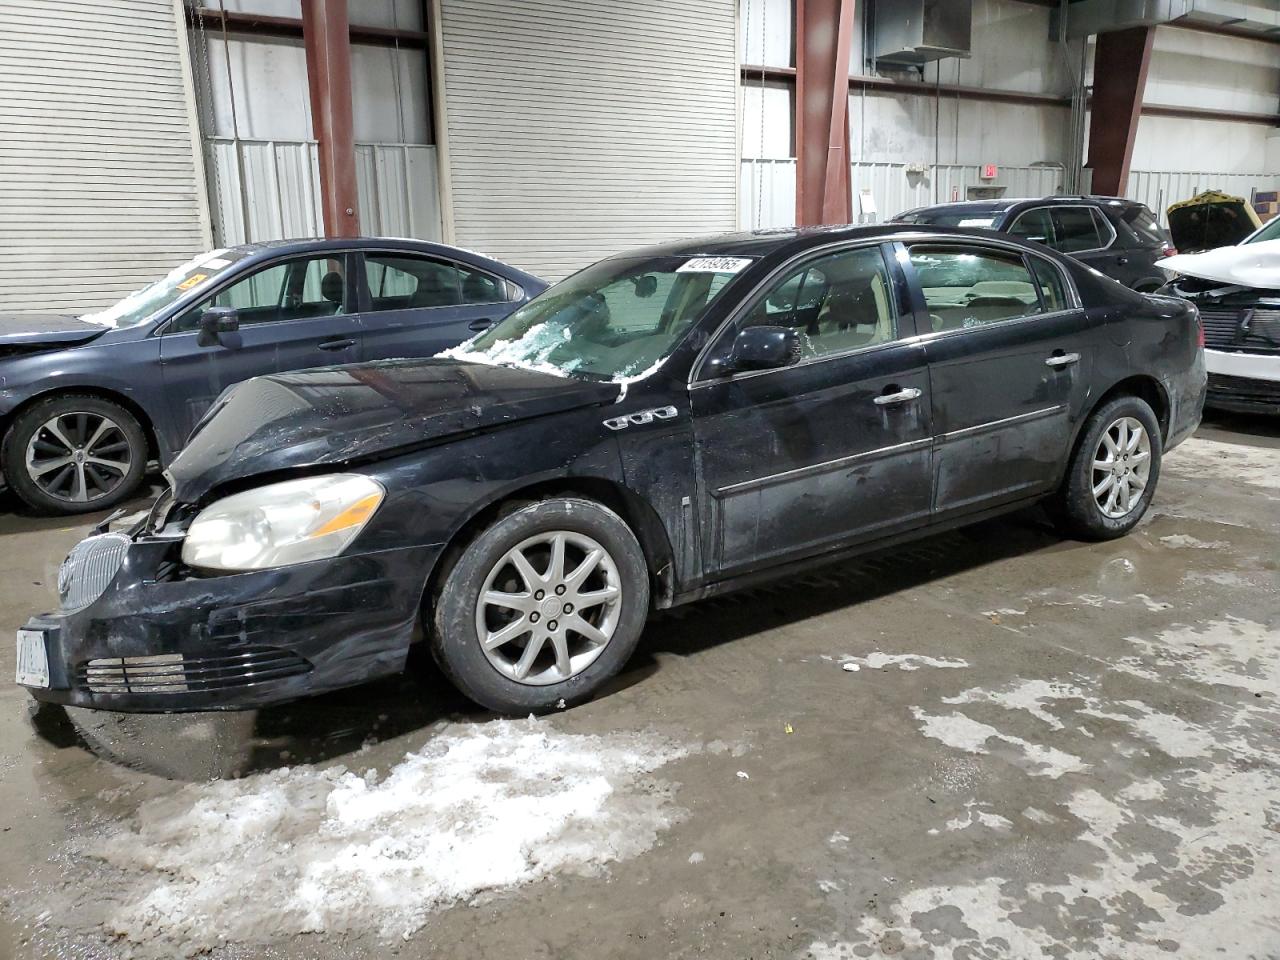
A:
x,y
1113,472
543,607
74,453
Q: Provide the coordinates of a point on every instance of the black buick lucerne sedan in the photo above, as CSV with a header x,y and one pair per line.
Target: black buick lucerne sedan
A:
x,y
664,425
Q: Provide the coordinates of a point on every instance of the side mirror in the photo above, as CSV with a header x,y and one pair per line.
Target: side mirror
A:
x,y
759,348
216,320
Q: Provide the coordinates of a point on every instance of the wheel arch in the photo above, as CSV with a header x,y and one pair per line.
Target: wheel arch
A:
x,y
1143,386
635,512
100,393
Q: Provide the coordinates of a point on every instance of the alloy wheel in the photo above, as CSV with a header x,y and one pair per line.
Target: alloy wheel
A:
x,y
549,607
79,457
1121,468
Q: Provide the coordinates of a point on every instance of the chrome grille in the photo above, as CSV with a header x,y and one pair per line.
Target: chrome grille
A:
x,y
176,673
89,569
1256,328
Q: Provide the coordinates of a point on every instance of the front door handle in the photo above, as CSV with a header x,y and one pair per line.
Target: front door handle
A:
x,y
336,344
901,396
1059,360
477,326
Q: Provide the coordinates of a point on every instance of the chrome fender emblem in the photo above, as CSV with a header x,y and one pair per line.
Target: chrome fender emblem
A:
x,y
641,417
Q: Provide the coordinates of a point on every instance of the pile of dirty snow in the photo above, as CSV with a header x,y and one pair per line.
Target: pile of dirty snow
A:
x,y
302,849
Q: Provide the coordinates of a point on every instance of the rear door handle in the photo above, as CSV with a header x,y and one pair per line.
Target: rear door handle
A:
x,y
902,396
1059,360
336,344
476,326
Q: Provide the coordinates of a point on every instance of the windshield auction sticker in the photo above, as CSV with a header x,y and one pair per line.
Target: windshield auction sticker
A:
x,y
714,265
192,280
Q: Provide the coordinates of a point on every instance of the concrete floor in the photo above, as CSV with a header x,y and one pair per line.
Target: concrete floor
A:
x,y
1078,758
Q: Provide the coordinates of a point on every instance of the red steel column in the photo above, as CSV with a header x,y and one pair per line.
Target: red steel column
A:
x,y
824,34
326,34
1120,64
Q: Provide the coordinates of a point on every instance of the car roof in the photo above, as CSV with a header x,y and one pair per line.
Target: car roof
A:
x,y
1004,204
763,243
319,244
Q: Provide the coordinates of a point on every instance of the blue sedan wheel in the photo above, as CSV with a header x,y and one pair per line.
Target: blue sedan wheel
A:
x,y
74,454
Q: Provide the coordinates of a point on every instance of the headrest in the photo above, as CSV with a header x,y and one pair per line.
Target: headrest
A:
x,y
333,288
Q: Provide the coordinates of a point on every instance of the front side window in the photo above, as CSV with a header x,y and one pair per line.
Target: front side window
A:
x,y
300,289
616,320
398,282
1034,224
970,287
837,303
1077,229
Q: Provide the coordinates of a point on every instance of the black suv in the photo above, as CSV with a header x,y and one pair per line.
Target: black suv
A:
x,y
1115,236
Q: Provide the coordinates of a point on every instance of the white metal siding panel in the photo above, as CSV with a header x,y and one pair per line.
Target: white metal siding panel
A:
x,y
99,192
579,128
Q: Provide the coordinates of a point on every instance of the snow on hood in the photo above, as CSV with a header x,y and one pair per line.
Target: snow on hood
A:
x,y
1249,265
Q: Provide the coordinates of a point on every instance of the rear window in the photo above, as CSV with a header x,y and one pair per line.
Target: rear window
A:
x,y
1143,222
951,218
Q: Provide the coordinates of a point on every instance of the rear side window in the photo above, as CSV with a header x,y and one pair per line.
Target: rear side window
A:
x,y
404,283
1034,224
1078,229
972,287
1049,279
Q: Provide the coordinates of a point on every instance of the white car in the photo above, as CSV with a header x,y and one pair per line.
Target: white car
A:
x,y
1237,290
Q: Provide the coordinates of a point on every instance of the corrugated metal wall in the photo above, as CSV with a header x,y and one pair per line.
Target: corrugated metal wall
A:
x,y
398,185
770,186
99,189
1160,189
577,130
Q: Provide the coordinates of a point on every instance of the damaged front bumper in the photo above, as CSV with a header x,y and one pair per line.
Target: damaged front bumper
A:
x,y
1244,382
159,639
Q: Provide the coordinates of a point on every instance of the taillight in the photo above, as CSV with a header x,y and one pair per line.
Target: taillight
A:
x,y
1199,332
1169,250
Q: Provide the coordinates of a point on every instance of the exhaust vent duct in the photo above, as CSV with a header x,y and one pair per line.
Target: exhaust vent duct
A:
x,y
1101,16
915,32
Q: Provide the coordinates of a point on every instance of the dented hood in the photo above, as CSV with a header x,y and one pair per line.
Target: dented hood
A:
x,y
45,329
1249,265
337,415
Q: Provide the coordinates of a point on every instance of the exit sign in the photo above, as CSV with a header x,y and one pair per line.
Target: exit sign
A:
x,y
990,171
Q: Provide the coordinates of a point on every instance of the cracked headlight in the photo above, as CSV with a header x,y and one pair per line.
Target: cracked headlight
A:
x,y
314,518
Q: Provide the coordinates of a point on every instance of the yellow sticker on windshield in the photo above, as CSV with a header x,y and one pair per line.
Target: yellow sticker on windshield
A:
x,y
192,280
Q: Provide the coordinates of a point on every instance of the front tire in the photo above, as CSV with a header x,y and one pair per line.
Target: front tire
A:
x,y
542,607
1113,472
74,454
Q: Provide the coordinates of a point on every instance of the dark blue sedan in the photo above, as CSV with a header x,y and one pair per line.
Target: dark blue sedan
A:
x,y
86,402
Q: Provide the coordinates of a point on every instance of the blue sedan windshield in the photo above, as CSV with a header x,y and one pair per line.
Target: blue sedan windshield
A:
x,y
173,286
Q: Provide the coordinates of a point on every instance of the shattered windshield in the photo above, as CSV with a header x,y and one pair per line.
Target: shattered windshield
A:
x,y
143,304
617,320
